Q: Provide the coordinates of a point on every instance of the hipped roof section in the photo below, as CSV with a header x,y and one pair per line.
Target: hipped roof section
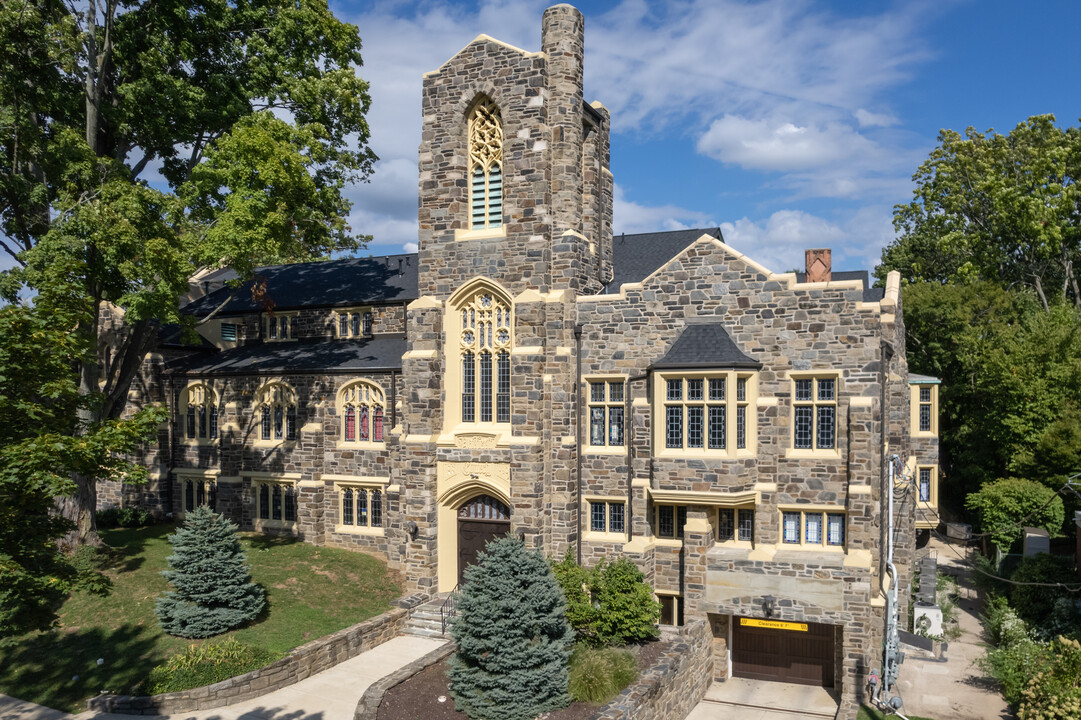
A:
x,y
378,353
705,345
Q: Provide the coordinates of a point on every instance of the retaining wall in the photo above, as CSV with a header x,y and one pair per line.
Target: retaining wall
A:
x,y
373,696
301,662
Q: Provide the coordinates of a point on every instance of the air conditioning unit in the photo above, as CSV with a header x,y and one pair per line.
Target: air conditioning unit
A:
x,y
927,620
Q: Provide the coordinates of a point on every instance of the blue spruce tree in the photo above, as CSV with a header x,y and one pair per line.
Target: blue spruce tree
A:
x,y
214,592
513,639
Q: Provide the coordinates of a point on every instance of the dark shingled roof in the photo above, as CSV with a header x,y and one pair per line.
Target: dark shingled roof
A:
x,y
171,335
330,283
705,345
636,256
381,352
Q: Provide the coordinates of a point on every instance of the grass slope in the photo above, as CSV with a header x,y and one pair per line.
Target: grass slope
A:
x,y
311,592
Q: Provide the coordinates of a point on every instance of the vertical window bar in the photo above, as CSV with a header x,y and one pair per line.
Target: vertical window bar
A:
x,y
469,396
485,395
502,397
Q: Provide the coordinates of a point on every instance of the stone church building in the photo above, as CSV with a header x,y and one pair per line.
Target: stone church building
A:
x,y
659,396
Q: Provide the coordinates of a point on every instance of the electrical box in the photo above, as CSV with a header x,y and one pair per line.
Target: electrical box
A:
x,y
927,619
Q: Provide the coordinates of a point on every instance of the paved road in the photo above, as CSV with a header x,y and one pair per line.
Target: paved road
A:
x,y
330,695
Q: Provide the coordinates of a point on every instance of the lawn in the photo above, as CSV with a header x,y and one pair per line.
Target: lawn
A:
x,y
311,592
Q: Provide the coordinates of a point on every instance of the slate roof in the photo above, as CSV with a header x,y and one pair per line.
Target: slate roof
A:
x,y
171,335
329,283
917,379
636,256
705,345
381,352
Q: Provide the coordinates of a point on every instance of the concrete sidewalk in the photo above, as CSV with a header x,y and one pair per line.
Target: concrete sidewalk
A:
x,y
330,695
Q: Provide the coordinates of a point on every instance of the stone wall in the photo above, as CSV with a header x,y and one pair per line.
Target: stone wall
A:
x,y
674,684
302,662
373,696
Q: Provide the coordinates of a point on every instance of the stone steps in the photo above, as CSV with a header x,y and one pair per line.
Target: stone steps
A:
x,y
426,620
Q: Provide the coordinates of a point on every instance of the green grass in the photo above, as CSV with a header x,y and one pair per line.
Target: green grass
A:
x,y
311,592
870,713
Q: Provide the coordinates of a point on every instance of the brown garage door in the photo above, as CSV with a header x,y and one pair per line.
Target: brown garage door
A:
x,y
783,652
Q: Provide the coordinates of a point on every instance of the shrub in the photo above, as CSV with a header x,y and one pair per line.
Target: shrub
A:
x,y
626,609
214,591
1014,665
1004,626
88,561
1038,604
513,637
1005,506
599,674
206,664
124,517
1054,692
575,582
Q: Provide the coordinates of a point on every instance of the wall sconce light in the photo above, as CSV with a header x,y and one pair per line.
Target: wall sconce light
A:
x,y
412,529
769,605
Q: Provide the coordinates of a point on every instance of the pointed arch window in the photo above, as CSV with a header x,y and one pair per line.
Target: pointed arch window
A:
x,y
199,408
360,405
276,409
485,166
486,337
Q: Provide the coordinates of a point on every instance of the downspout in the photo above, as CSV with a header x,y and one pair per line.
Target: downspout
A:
x,y
393,399
578,429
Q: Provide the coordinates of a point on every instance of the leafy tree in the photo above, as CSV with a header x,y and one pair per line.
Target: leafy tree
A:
x,y
1000,208
40,447
252,111
1038,604
513,638
214,592
1054,692
610,604
1005,507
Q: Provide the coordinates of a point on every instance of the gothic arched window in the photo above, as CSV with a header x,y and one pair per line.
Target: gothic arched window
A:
x,y
199,408
360,405
485,166
277,412
485,339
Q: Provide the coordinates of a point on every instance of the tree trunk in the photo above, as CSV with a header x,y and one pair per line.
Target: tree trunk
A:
x,y
80,508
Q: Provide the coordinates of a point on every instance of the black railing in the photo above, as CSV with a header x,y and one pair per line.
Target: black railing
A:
x,y
448,609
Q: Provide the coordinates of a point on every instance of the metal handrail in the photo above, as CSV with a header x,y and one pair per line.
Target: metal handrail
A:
x,y
448,609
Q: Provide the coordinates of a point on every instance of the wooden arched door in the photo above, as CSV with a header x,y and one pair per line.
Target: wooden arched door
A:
x,y
480,520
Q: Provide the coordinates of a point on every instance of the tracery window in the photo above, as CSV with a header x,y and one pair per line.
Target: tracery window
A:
x,y
486,336
200,408
361,406
485,166
276,409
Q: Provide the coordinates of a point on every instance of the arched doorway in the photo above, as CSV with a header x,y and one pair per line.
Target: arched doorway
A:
x,y
480,520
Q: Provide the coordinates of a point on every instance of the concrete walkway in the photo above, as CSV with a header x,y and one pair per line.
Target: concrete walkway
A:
x,y
741,699
330,695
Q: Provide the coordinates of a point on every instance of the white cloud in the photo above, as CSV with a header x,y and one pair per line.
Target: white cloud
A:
x,y
632,217
867,118
410,247
781,145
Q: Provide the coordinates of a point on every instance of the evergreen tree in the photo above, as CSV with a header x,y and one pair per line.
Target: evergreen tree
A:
x,y
513,638
214,591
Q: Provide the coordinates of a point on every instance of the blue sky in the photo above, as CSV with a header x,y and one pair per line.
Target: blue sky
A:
x,y
791,124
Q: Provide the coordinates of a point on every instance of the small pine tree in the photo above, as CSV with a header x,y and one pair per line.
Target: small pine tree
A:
x,y
513,639
214,592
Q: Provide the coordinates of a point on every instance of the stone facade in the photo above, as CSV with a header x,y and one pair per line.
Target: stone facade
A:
x,y
543,276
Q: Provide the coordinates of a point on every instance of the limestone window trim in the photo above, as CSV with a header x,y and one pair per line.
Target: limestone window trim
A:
x,y
361,408
280,326
927,485
197,488
485,172
705,414
606,519
817,527
733,527
362,505
605,423
923,405
274,501
275,415
199,415
355,322
671,608
814,415
480,326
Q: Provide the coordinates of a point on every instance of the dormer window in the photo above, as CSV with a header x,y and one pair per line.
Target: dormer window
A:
x,y
485,166
353,322
281,327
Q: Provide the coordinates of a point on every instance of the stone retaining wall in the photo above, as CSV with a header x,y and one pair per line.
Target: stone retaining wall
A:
x,y
306,660
673,685
373,696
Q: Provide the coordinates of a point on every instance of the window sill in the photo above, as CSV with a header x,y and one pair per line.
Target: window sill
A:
x,y
799,453
483,234
924,434
807,548
287,444
261,524
196,442
697,454
604,450
357,530
361,445
668,542
610,537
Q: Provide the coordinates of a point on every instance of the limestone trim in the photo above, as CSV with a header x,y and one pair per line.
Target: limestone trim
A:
x,y
710,414
814,528
926,481
198,487
275,412
199,415
426,302
274,497
485,178
457,483
743,499
923,406
600,508
818,391
352,322
279,327
492,233
266,475
482,38
360,406
604,424
892,297
361,504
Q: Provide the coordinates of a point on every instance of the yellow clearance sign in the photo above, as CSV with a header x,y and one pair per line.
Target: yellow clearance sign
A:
x,y
774,624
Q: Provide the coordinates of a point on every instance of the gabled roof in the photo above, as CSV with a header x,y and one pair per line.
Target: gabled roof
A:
x,y
329,283
636,256
381,352
705,345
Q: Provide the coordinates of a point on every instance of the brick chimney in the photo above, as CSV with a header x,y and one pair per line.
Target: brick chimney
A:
x,y
818,265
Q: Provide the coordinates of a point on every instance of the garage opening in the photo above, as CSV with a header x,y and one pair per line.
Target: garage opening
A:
x,y
783,651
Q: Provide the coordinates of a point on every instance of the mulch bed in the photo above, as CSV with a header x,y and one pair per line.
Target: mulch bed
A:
x,y
418,697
